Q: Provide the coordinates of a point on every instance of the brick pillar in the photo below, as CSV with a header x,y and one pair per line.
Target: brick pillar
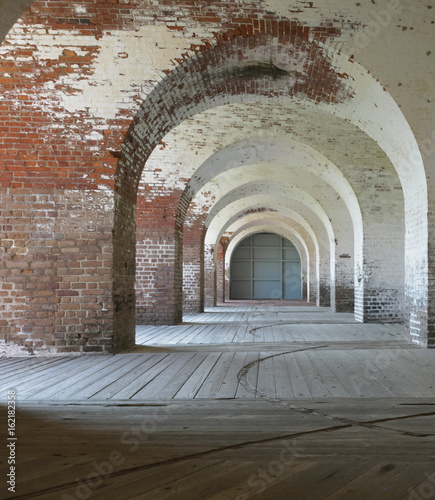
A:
x,y
304,287
193,268
382,274
226,281
220,281
380,253
220,270
314,281
344,284
324,297
56,271
124,265
344,274
159,260
209,277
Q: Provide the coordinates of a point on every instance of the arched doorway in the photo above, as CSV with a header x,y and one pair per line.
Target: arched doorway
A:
x,y
265,266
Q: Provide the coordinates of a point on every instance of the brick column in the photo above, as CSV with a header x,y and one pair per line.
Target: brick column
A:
x,y
209,277
344,272
193,268
220,271
159,260
227,280
344,284
56,271
324,290
382,277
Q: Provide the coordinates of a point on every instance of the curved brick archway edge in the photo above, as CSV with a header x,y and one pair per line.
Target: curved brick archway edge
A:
x,y
238,69
323,242
239,64
283,159
306,238
280,228
233,70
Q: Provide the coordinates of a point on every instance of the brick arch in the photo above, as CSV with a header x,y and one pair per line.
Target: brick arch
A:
x,y
280,150
283,152
274,198
282,157
248,69
398,141
307,227
284,214
280,229
306,242
257,185
195,260
246,160
280,199
236,68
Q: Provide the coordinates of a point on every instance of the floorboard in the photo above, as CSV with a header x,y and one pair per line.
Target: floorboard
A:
x,y
242,402
195,449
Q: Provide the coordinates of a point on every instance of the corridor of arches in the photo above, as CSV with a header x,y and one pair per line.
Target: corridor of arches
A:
x,y
128,181
217,248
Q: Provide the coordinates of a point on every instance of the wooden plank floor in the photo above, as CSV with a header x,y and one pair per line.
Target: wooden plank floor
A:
x,y
278,358
230,449
256,401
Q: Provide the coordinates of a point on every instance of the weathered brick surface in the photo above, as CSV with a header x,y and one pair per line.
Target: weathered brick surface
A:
x,y
56,261
123,280
210,276
158,277
193,279
221,292
193,265
90,128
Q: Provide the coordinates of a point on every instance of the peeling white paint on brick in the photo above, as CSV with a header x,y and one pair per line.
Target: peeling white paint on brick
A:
x,y
125,63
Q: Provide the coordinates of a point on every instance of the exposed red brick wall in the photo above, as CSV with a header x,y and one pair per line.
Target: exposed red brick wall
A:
x,y
158,261
158,276
193,264
55,267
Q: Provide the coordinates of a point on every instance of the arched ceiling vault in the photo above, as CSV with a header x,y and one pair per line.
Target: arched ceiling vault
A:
x,y
275,198
339,86
285,216
293,63
216,140
276,227
260,184
269,159
233,185
362,101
